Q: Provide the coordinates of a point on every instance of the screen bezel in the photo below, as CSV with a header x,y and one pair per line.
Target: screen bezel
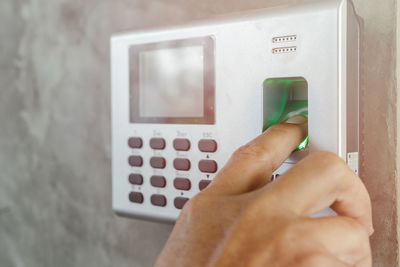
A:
x,y
208,117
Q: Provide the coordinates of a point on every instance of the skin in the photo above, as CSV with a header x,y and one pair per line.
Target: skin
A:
x,y
244,219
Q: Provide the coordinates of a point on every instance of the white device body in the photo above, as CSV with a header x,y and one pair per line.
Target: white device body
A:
x,y
247,50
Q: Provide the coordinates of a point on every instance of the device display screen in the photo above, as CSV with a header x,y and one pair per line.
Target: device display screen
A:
x,y
173,82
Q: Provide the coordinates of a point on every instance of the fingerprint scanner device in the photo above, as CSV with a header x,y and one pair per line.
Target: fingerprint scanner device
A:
x,y
184,98
284,98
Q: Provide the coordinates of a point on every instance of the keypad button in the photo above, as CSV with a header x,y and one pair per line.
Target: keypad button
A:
x,y
136,179
182,184
158,200
179,202
208,145
136,197
182,164
135,161
203,184
209,166
135,142
182,144
157,162
157,143
158,181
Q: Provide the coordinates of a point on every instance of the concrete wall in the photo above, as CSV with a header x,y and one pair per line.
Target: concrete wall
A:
x,y
55,201
398,119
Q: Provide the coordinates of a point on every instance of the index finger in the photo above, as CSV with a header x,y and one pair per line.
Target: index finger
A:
x,y
252,165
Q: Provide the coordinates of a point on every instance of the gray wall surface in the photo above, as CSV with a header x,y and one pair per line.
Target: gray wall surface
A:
x,y
55,165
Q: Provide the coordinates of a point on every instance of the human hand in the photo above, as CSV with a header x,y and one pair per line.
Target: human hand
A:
x,y
243,219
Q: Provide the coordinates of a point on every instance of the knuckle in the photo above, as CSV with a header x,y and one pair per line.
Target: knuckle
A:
x,y
329,160
359,231
328,157
362,248
281,128
335,169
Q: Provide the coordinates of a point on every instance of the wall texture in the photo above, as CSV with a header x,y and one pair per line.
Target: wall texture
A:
x,y
398,118
55,201
379,124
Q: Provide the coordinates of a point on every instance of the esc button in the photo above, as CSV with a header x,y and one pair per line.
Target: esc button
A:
x,y
208,145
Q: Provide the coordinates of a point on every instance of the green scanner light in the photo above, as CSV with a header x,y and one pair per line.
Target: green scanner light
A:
x,y
303,145
284,98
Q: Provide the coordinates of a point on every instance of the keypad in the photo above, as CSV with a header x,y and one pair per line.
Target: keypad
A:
x,y
158,181
158,200
135,142
157,143
208,145
203,184
157,162
181,144
135,161
136,197
182,184
179,202
136,179
182,164
208,166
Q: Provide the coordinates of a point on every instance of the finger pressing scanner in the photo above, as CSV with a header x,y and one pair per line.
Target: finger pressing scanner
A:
x,y
185,97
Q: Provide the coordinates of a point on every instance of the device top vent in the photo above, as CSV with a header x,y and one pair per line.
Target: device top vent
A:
x,y
284,39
